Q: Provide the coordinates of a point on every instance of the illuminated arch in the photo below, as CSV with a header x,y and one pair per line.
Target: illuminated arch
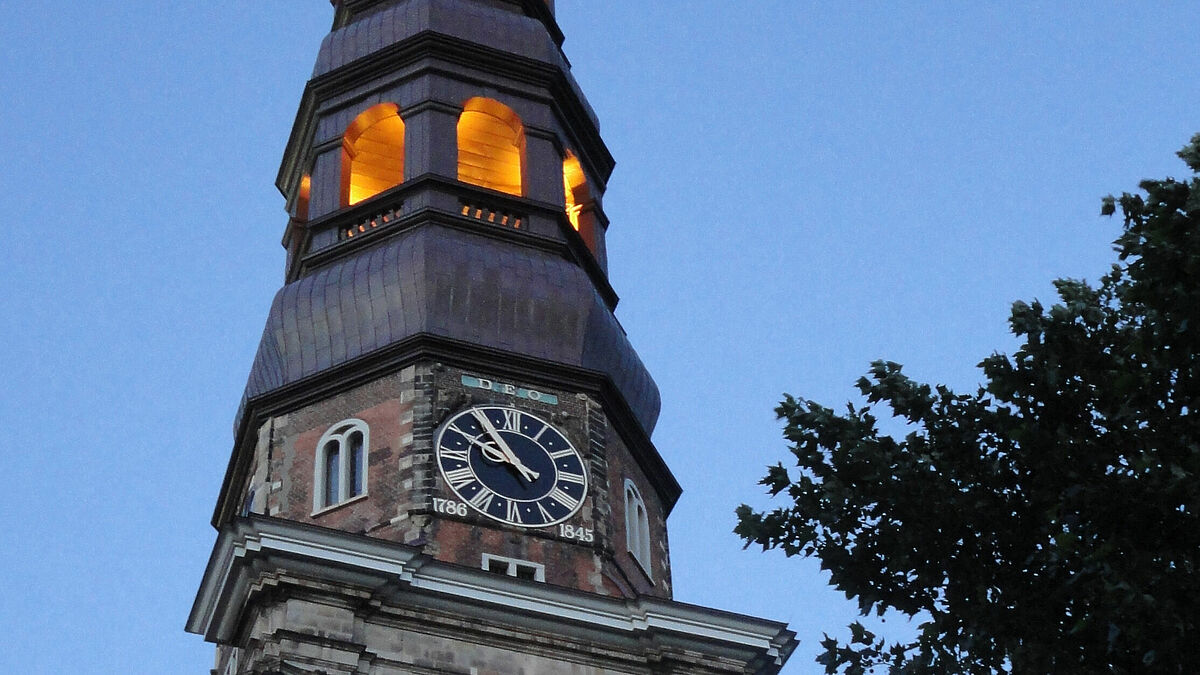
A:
x,y
579,200
491,146
372,153
302,198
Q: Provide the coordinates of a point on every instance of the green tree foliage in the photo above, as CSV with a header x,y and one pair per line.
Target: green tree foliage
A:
x,y
1047,522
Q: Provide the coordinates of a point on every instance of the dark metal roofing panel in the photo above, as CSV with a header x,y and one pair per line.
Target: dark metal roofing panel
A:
x,y
451,284
478,23
497,28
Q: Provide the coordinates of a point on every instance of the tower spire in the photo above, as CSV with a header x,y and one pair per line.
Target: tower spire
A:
x,y
442,458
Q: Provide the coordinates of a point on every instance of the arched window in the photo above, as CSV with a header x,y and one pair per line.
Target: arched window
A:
x,y
491,146
340,464
578,197
372,153
637,527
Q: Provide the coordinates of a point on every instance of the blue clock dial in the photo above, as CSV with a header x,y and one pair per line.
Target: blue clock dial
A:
x,y
511,466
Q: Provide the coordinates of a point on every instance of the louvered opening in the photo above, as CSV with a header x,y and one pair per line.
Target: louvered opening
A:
x,y
372,154
491,146
578,197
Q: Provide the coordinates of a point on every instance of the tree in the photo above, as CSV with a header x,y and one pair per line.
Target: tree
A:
x,y
1047,522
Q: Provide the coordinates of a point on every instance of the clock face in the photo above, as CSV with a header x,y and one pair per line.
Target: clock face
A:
x,y
511,466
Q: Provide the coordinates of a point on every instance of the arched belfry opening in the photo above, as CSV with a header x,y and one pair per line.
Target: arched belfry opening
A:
x,y
491,146
303,197
372,153
578,197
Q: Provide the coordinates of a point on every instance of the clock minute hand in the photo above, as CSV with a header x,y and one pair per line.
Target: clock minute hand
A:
x,y
509,456
489,450
506,455
497,455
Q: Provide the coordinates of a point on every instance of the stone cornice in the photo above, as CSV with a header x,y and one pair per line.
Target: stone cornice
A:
x,y
252,548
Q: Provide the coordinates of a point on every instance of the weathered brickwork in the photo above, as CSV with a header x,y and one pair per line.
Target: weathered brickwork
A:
x,y
622,466
283,472
403,412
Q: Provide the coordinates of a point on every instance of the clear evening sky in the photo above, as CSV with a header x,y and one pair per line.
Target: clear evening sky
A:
x,y
801,188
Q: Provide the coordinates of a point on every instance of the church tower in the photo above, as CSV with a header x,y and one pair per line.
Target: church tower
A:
x,y
442,461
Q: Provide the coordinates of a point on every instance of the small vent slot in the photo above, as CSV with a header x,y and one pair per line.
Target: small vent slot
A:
x,y
492,216
370,223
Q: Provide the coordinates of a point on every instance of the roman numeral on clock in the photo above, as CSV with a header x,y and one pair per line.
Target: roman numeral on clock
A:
x,y
482,499
563,498
460,432
569,477
460,478
512,420
456,455
514,514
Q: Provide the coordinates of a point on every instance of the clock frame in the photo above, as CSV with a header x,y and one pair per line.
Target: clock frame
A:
x,y
511,466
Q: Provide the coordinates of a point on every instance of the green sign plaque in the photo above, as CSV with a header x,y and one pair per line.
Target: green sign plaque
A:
x,y
510,389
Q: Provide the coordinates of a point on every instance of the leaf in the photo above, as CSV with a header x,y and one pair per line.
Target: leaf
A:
x,y
1190,154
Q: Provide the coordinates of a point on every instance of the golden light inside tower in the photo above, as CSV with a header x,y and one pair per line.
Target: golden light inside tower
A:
x,y
578,197
302,199
491,146
574,182
372,153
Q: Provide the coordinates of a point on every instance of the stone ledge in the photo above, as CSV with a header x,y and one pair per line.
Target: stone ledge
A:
x,y
401,578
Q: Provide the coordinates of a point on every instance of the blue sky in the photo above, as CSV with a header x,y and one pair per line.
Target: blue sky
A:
x,y
801,188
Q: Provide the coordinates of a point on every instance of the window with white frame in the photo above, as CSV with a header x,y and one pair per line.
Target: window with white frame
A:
x,y
521,569
340,465
637,527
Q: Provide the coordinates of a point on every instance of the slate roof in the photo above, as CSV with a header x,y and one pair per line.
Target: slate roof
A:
x,y
477,23
499,29
453,284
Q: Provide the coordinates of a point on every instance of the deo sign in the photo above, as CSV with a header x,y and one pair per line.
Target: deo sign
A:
x,y
510,389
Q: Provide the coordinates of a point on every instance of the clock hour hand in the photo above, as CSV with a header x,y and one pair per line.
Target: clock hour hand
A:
x,y
492,452
507,454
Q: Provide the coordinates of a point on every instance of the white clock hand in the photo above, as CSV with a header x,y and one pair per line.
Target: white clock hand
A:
x,y
508,455
492,452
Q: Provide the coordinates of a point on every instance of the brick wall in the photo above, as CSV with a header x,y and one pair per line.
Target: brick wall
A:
x,y
403,412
